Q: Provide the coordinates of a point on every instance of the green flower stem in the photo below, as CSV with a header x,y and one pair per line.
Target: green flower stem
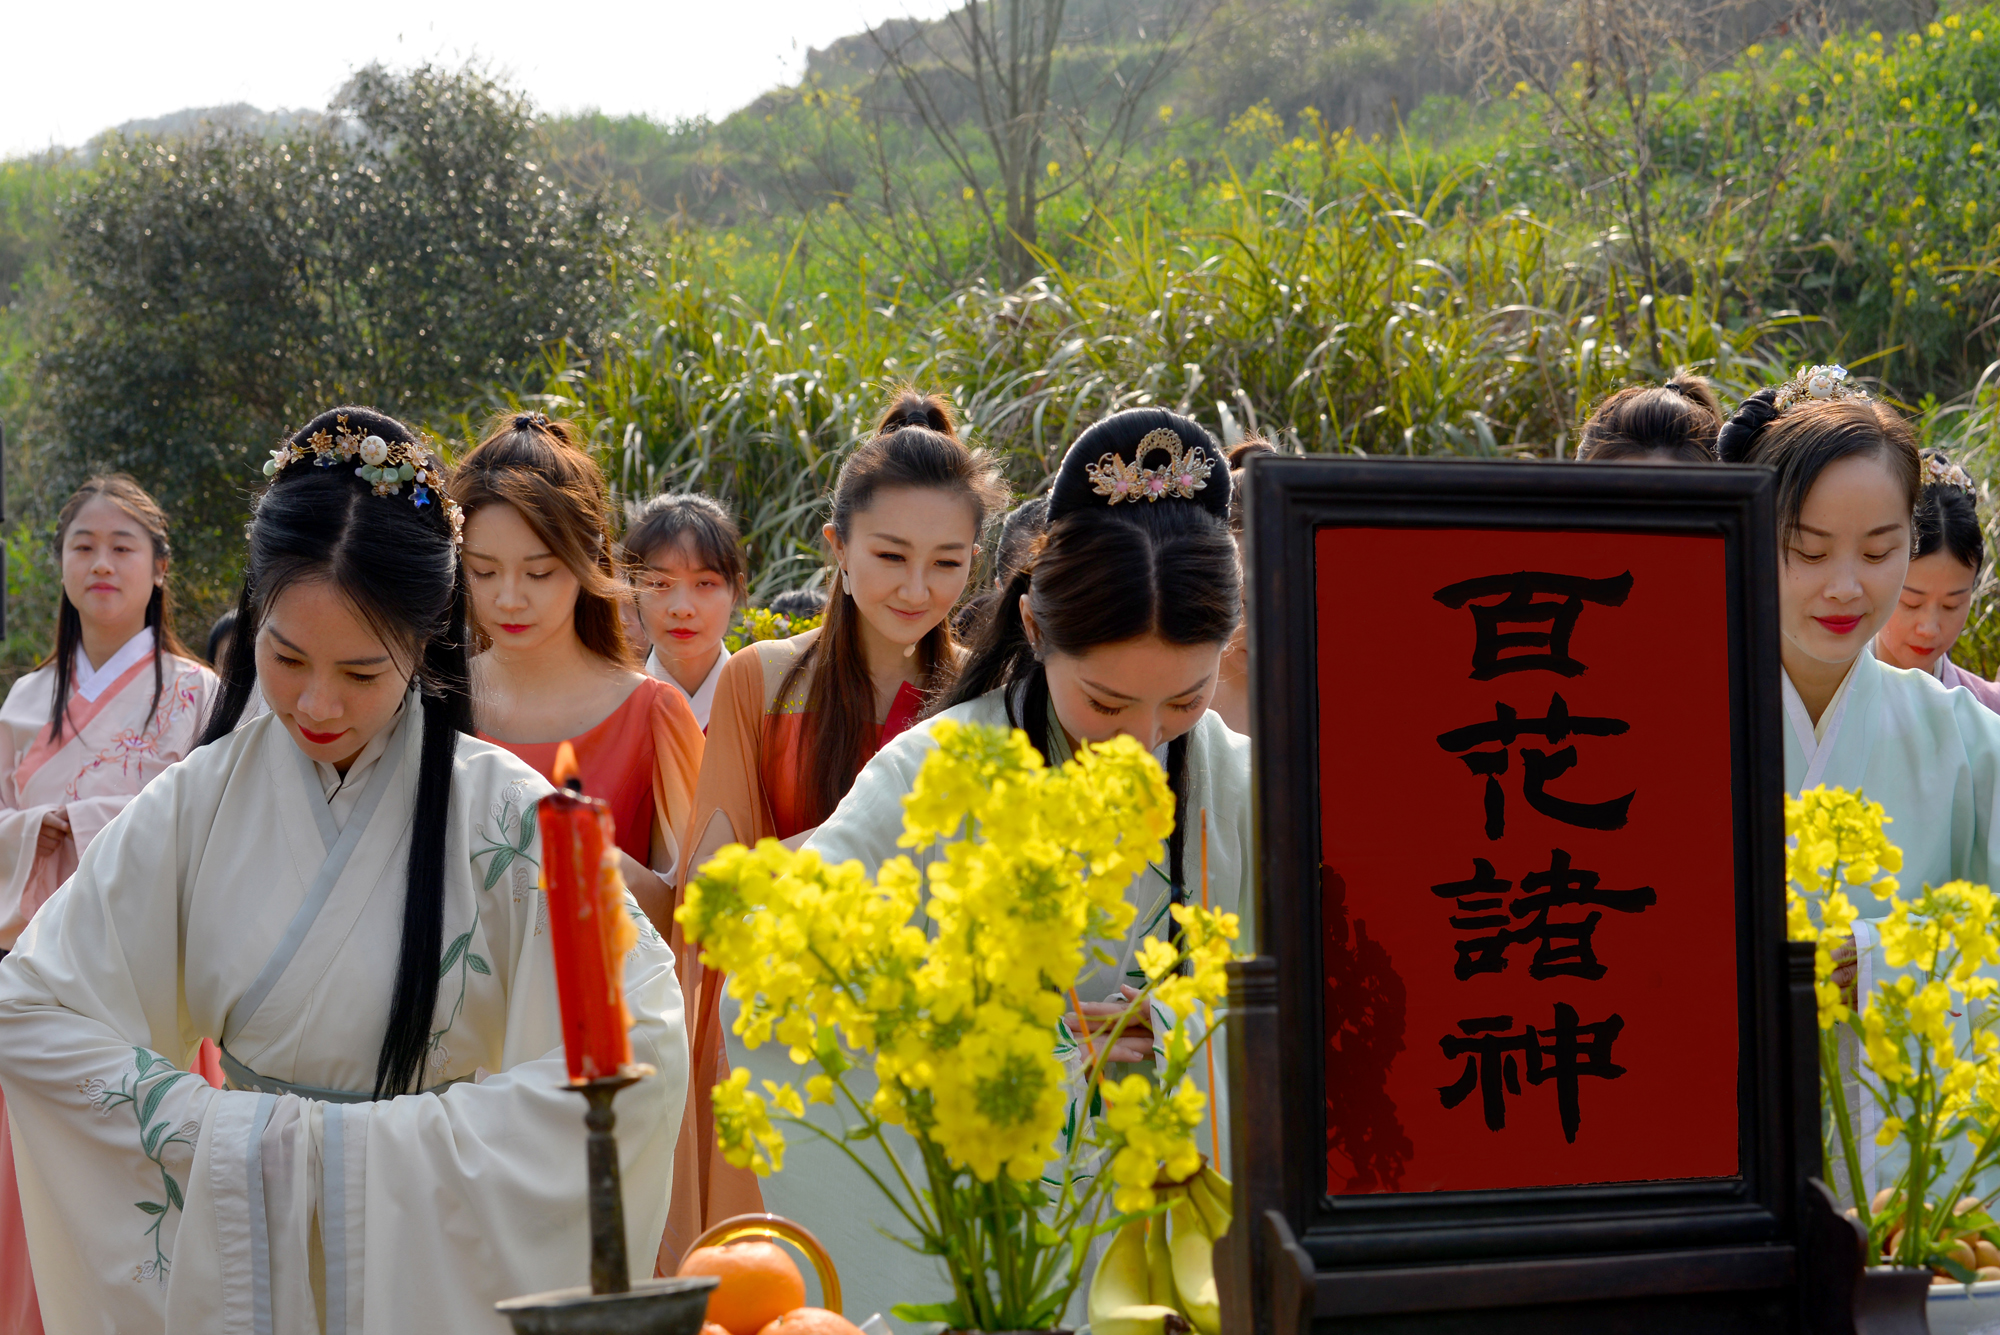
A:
x,y
1829,1067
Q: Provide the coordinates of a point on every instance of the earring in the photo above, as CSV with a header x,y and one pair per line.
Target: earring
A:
x,y
846,582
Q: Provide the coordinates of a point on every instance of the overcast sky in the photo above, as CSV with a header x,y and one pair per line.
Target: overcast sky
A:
x,y
75,68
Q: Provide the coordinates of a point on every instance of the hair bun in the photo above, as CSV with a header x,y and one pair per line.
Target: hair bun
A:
x,y
910,408
1126,445
1740,433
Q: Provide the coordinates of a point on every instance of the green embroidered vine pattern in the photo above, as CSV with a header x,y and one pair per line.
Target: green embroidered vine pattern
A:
x,y
154,1137
517,832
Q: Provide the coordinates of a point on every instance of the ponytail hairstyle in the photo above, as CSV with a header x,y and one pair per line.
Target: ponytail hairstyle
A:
x,y
1947,517
1800,433
1111,570
915,445
125,493
1672,423
698,525
396,563
537,467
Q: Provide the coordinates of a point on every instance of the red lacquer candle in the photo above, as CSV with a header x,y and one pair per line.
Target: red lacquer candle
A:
x,y
588,926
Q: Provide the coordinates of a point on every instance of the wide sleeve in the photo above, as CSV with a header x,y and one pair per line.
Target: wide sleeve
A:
x,y
179,1207
677,750
105,1126
26,878
732,783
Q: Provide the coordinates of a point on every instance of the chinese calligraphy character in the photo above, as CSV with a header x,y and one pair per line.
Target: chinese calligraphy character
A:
x,y
1562,949
1564,1054
1496,651
1538,767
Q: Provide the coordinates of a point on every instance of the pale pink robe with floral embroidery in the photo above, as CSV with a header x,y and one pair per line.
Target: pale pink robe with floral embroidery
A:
x,y
113,743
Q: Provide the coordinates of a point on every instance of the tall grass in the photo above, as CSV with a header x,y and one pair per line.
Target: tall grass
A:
x,y
1347,298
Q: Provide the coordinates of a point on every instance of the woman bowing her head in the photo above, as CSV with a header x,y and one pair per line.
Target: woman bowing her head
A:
x,y
1114,625
1849,479
552,662
360,876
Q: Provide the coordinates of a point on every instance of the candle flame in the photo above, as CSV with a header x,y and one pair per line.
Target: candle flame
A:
x,y
566,775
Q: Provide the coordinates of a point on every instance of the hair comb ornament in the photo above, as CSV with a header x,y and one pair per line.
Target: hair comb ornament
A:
x,y
1185,472
384,464
1940,471
522,421
1822,383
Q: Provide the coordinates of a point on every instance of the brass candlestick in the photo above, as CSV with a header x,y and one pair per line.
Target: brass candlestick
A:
x,y
612,1305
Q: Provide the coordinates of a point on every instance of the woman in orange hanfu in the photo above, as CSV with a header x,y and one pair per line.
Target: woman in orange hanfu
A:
x,y
795,720
134,705
553,667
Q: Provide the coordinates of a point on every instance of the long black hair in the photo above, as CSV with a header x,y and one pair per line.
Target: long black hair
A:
x,y
1107,571
125,493
396,564
915,445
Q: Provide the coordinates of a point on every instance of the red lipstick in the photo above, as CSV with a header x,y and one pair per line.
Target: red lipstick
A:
x,y
320,738
1838,625
512,630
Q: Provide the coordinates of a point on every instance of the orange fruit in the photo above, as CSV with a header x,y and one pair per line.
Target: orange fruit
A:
x,y
811,1321
712,1329
760,1283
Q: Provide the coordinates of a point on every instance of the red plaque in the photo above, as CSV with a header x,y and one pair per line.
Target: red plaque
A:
x,y
1528,886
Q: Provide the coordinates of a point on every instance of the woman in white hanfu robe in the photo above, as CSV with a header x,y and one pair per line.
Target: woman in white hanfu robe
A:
x,y
1848,483
304,852
1137,599
131,713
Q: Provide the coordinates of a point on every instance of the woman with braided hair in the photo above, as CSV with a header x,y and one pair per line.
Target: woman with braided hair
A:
x,y
1115,625
394,1149
1944,574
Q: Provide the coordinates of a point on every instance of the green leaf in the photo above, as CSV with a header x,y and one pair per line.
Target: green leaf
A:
x,y
478,965
497,867
456,949
526,833
1958,1271
174,1193
152,1141
151,1207
144,1061
156,1093
949,1313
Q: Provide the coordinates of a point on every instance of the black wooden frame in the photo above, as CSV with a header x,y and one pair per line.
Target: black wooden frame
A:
x,y
1375,1260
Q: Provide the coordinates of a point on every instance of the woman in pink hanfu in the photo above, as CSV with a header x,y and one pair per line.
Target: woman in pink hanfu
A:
x,y
135,706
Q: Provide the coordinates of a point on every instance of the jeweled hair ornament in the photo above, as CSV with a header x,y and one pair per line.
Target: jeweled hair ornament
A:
x,y
1940,471
1822,383
384,464
1185,472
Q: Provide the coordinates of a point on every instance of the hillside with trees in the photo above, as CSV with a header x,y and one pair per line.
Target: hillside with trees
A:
x,y
1354,225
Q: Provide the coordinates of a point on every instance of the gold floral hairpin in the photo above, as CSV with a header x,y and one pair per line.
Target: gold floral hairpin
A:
x,y
1940,471
1818,382
1185,472
384,464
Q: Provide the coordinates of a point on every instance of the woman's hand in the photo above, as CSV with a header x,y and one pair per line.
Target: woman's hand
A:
x,y
1133,1043
1846,964
55,829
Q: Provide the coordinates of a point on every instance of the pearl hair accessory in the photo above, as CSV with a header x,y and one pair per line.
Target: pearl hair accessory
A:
x,y
1940,471
1818,382
384,464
